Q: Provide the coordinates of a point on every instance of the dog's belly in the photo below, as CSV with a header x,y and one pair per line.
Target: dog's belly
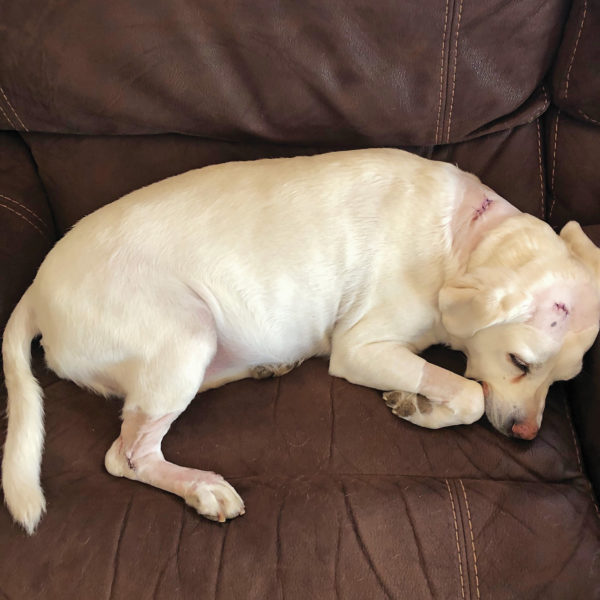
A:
x,y
235,360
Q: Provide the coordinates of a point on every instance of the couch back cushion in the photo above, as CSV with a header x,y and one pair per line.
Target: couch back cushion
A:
x,y
343,72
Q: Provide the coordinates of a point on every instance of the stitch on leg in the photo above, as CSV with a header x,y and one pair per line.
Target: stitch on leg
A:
x,y
539,140
25,219
454,74
460,569
437,126
575,49
36,217
554,165
13,111
472,539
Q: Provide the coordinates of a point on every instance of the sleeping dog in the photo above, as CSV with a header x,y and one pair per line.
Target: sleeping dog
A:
x,y
246,269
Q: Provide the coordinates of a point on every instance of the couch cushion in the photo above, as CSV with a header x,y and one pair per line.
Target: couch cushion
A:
x,y
27,229
573,164
584,392
341,496
576,77
82,173
300,73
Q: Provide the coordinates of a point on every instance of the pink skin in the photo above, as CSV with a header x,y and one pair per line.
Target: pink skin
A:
x,y
481,210
139,442
526,430
136,454
437,382
563,308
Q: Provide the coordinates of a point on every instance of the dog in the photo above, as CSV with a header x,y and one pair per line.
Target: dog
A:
x,y
246,269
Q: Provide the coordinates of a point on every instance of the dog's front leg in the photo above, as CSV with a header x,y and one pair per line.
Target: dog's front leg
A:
x,y
421,392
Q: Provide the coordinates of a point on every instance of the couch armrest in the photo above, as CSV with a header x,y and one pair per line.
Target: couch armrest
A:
x,y
584,395
26,227
585,400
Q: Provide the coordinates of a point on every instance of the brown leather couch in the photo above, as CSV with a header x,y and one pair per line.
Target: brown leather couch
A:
x,y
343,500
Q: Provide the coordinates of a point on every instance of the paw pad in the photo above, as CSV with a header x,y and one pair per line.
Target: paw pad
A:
x,y
405,404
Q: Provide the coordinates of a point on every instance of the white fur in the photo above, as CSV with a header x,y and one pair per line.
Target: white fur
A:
x,y
366,256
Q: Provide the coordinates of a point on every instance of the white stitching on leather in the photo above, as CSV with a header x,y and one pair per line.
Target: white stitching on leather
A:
x,y
437,126
575,49
34,215
454,74
12,108
587,117
472,540
539,140
578,454
7,117
24,219
568,413
460,569
554,165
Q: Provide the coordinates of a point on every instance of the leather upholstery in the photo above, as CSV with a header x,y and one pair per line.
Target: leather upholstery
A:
x,y
343,500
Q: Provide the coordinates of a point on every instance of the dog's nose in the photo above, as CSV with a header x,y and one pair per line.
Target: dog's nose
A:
x,y
525,430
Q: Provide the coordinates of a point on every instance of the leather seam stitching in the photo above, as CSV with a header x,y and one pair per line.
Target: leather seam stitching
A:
x,y
587,117
25,219
454,74
437,127
552,176
14,112
7,117
539,141
577,454
566,92
542,110
34,215
472,539
460,569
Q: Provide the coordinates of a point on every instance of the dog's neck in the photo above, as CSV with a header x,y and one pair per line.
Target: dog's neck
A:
x,y
479,211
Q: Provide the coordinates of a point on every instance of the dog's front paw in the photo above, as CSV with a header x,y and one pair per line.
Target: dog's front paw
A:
x,y
217,501
405,404
469,405
464,408
420,410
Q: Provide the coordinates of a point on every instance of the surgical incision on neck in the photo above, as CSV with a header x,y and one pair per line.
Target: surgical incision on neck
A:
x,y
484,206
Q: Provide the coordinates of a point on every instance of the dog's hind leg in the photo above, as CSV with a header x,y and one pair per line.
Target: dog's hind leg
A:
x,y
162,389
136,454
273,370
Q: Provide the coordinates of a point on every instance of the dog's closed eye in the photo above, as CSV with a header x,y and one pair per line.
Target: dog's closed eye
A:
x,y
519,363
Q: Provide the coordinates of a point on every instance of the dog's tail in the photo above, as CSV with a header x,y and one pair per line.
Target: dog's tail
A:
x,y
25,436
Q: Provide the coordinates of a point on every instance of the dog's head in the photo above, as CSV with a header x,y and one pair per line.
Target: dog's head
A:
x,y
524,313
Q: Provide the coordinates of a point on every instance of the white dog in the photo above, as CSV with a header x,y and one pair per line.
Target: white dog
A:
x,y
246,269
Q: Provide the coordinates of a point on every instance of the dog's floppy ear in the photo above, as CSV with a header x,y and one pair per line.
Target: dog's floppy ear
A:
x,y
582,247
472,302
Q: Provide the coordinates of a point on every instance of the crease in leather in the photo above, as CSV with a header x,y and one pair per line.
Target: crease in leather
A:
x,y
116,553
420,547
220,564
362,546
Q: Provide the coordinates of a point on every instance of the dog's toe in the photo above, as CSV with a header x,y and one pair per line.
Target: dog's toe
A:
x,y
403,404
406,404
216,501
